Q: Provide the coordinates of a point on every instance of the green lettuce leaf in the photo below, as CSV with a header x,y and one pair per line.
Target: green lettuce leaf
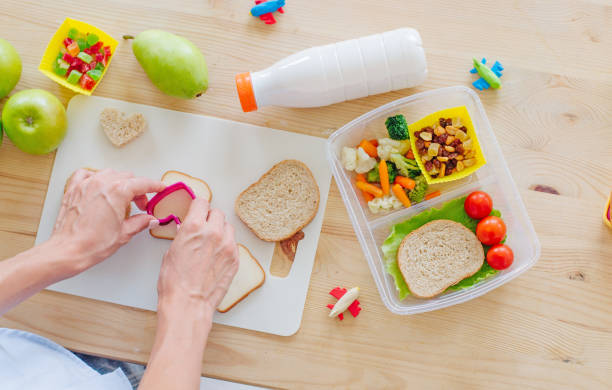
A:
x,y
452,210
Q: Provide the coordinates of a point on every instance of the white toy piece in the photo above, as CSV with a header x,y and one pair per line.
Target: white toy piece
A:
x,y
344,302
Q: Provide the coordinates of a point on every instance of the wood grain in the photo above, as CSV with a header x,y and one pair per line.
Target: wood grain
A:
x,y
549,328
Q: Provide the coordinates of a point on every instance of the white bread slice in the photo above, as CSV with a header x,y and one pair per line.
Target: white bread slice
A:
x,y
178,202
250,276
198,186
281,203
119,128
438,255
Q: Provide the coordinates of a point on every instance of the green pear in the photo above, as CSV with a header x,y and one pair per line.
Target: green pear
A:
x,y
173,63
10,68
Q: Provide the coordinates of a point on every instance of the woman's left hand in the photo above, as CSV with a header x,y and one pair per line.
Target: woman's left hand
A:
x,y
92,221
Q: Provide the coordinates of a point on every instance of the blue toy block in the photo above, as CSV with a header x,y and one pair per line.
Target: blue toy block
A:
x,y
481,84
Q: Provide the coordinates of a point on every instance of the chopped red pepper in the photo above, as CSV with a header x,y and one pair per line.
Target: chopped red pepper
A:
x,y
87,82
68,58
68,42
107,51
94,49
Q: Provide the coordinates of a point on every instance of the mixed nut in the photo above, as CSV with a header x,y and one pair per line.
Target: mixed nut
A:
x,y
445,147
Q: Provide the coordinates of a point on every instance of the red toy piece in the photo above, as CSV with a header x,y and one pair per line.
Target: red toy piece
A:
x,y
354,307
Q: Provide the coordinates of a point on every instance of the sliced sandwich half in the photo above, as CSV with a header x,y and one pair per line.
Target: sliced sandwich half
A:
x,y
250,277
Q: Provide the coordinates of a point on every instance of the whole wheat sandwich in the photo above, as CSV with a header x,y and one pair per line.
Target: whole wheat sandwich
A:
x,y
281,203
438,255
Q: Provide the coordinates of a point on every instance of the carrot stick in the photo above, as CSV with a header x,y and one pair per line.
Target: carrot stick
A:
x,y
367,196
405,182
369,188
384,176
410,155
432,195
401,195
374,142
368,148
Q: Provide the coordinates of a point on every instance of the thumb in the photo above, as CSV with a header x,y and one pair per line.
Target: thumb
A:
x,y
135,224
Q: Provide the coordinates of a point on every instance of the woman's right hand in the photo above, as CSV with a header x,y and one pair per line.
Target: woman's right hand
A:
x,y
202,260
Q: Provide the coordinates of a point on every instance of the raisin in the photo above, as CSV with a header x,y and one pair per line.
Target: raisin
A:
x,y
449,122
455,143
422,151
463,128
448,170
416,134
459,149
442,152
452,155
437,163
419,143
442,122
442,138
428,166
429,130
451,164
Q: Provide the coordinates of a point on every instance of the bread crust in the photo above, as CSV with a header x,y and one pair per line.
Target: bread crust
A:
x,y
254,288
404,242
316,210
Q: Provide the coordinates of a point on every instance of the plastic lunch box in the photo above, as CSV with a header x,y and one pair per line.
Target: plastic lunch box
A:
x,y
494,178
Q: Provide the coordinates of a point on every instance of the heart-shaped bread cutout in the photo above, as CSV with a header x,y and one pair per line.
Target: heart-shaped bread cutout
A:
x,y
119,128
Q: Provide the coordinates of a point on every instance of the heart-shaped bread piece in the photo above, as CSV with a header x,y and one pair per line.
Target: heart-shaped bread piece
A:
x,y
121,129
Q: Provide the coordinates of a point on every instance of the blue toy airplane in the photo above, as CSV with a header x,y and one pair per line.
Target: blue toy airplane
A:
x,y
264,9
488,77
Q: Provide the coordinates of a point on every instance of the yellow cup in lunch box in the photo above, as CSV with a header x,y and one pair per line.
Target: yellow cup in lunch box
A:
x,y
57,42
431,120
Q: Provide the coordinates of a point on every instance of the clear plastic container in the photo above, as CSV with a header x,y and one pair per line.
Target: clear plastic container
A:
x,y
494,178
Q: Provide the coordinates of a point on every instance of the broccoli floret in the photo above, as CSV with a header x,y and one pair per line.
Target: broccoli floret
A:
x,y
417,194
405,167
397,127
373,175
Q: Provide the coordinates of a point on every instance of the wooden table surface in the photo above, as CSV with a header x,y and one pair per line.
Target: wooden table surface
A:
x,y
549,328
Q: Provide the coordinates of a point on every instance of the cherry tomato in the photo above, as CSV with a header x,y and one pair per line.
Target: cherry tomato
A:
x,y
500,256
478,205
491,230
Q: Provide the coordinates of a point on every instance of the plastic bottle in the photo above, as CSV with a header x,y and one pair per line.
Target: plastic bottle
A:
x,y
333,73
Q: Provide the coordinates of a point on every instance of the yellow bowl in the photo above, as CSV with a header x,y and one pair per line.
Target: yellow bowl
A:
x,y
57,42
432,119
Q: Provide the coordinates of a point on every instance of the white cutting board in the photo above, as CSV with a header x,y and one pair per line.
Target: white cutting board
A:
x,y
229,156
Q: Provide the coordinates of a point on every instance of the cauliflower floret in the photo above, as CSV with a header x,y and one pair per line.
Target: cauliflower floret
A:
x,y
365,163
388,146
349,158
385,203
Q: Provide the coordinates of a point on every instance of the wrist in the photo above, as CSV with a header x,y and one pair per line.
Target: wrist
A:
x,y
64,256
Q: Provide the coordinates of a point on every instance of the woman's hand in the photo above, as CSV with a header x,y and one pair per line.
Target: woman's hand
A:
x,y
194,277
202,260
92,220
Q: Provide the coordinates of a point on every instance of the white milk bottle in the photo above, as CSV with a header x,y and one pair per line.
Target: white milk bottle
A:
x,y
341,71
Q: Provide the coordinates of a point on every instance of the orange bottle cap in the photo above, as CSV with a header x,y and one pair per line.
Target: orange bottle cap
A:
x,y
244,85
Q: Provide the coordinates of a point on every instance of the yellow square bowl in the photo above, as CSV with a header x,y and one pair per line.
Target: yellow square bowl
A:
x,y
57,42
431,120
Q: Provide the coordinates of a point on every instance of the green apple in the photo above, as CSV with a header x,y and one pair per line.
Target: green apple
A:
x,y
10,68
35,121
